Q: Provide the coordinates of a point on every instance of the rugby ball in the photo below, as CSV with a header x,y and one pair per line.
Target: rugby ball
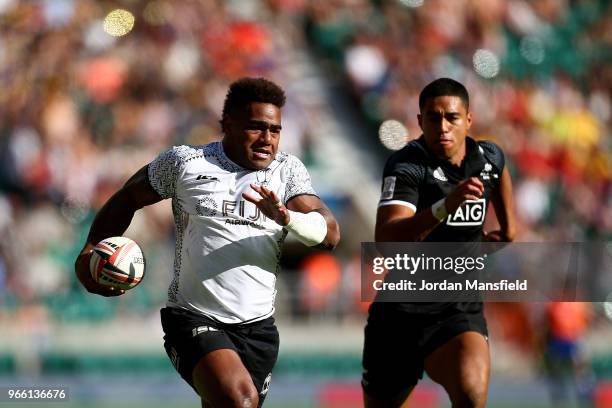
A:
x,y
118,262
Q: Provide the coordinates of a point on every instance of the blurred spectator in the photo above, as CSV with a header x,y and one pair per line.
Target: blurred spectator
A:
x,y
320,284
566,366
547,104
80,110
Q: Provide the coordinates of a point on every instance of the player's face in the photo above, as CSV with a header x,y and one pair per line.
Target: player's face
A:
x,y
445,122
251,138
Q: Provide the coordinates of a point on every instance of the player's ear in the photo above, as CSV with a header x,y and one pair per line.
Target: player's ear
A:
x,y
420,119
469,119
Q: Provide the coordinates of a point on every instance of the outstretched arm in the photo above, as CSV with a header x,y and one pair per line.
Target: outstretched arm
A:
x,y
272,207
112,220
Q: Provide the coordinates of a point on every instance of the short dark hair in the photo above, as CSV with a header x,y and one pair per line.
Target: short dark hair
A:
x,y
246,90
444,87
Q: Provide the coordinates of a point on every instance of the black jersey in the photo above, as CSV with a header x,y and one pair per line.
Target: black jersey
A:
x,y
415,178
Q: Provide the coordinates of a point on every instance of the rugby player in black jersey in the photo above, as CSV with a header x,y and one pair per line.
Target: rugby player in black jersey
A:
x,y
436,189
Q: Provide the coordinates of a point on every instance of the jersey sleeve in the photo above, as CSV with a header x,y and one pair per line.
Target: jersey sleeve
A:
x,y
494,154
164,170
297,179
400,185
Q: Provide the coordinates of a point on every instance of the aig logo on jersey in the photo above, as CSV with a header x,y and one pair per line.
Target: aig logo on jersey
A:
x,y
470,213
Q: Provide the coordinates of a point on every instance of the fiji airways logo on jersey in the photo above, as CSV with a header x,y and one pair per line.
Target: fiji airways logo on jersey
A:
x,y
469,214
207,207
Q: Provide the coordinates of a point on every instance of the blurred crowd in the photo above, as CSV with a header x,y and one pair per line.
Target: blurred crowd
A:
x,y
539,78
81,110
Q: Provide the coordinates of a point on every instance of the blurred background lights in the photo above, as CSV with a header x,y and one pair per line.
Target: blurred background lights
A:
x,y
486,63
82,110
393,134
6,4
182,63
118,22
95,37
412,3
157,12
532,49
57,13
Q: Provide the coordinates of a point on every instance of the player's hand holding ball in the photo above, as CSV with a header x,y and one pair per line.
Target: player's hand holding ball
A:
x,y
111,267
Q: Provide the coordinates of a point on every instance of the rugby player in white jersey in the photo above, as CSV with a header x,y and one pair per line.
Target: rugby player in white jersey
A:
x,y
234,202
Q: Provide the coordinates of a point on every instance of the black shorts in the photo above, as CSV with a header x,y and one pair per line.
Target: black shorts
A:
x,y
397,343
189,336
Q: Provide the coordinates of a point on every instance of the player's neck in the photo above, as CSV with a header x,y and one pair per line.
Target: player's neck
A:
x,y
459,156
227,151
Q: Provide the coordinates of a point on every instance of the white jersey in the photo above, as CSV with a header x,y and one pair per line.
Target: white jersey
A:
x,y
227,252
